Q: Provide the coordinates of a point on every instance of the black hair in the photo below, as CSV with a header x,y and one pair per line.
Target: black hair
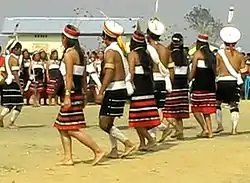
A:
x,y
17,46
94,53
106,36
144,56
178,54
0,48
52,53
74,43
209,57
153,36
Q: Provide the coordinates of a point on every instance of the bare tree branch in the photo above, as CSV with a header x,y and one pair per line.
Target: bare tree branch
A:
x,y
201,20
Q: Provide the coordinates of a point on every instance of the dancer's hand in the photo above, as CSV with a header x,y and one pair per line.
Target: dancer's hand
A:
x,y
67,102
99,99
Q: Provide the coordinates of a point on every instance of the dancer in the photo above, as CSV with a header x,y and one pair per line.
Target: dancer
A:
x,y
143,112
203,99
113,92
230,65
53,74
43,94
24,74
12,98
36,73
162,71
177,104
71,118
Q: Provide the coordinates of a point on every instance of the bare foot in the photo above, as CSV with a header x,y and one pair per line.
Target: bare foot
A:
x,y
66,163
142,148
12,126
128,150
98,158
210,135
165,134
150,146
234,132
219,129
174,135
180,136
203,134
113,154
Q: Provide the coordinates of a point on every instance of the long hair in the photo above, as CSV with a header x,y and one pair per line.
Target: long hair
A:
x,y
209,57
74,43
178,55
145,58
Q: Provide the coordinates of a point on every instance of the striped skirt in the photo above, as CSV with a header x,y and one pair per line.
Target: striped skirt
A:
x,y
37,86
203,101
113,103
143,111
160,93
51,87
11,95
71,118
177,104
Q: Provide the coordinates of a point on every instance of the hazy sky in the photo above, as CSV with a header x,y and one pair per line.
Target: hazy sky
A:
x,y
171,12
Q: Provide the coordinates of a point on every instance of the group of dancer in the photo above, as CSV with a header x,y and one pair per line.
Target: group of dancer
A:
x,y
155,79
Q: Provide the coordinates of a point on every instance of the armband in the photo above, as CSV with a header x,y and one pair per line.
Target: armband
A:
x,y
15,68
171,65
109,66
2,69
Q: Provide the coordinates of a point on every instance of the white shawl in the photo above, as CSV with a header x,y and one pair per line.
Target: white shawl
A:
x,y
114,46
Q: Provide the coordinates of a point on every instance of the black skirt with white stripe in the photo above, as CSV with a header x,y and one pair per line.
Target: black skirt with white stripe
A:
x,y
11,95
113,103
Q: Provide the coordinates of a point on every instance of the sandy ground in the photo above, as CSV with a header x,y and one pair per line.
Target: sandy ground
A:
x,y
30,154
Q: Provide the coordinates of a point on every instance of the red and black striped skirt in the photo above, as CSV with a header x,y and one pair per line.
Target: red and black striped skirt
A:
x,y
143,112
51,86
71,118
203,101
36,86
177,104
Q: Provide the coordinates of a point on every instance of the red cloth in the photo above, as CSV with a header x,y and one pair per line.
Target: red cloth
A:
x,y
2,60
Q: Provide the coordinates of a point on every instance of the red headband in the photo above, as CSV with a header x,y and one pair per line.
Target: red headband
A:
x,y
71,33
138,37
203,37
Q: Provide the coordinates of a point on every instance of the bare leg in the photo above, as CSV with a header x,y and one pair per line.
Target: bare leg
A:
x,y
56,100
36,99
142,146
67,147
50,99
179,127
14,115
4,112
106,124
144,133
208,125
85,139
200,120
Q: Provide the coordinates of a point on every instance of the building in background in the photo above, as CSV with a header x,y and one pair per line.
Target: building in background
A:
x,y
45,32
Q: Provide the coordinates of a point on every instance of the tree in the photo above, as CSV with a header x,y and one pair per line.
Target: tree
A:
x,y
201,20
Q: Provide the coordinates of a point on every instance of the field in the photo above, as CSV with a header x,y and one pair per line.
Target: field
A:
x,y
30,153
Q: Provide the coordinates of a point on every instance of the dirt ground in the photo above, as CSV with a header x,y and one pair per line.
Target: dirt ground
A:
x,y
30,153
